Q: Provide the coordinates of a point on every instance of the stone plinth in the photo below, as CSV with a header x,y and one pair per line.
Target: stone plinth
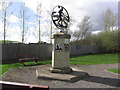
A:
x,y
60,53
62,71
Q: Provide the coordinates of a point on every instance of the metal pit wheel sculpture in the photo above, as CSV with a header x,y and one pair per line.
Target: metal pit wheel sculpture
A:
x,y
60,17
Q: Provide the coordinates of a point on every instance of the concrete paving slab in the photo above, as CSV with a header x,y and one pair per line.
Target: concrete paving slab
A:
x,y
74,76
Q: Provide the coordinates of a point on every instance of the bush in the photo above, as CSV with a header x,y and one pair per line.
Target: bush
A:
x,y
107,40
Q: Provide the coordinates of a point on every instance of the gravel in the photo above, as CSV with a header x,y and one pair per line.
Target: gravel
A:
x,y
99,77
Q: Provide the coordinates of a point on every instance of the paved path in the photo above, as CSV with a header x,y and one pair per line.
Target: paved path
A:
x,y
99,78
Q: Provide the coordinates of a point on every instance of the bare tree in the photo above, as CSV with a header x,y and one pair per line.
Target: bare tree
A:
x,y
36,34
84,28
5,5
37,28
39,10
23,20
109,19
50,24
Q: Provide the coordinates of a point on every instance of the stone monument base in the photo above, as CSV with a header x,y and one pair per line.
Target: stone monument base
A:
x,y
62,71
73,76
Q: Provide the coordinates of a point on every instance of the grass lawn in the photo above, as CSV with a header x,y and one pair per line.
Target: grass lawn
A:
x,y
95,59
114,70
5,67
82,60
8,41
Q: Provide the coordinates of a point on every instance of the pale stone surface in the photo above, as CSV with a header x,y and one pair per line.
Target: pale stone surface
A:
x,y
62,71
60,58
75,75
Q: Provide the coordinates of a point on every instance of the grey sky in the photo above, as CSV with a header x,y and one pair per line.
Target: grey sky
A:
x,y
77,9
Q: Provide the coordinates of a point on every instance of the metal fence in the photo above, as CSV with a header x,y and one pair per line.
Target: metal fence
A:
x,y
14,51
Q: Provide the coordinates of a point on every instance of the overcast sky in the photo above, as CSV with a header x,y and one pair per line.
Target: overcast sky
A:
x,y
77,9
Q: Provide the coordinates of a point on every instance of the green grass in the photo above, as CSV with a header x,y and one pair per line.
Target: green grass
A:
x,y
8,41
95,59
114,70
6,67
81,60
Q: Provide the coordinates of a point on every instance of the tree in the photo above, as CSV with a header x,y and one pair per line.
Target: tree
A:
x,y
5,5
37,28
84,28
39,10
108,40
109,19
23,20
50,23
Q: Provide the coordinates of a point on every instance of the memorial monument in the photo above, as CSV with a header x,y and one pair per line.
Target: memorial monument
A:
x,y
60,68
60,41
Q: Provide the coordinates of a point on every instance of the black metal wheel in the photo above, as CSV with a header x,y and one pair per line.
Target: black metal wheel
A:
x,y
60,17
